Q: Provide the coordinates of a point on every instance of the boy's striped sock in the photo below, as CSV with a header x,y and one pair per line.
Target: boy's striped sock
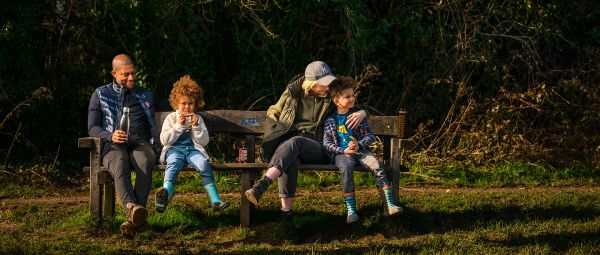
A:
x,y
392,208
350,200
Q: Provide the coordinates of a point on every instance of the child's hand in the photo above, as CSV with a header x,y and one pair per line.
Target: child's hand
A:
x,y
194,120
349,151
181,119
352,146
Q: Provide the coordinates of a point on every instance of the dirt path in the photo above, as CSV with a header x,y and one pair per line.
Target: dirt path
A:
x,y
79,198
45,201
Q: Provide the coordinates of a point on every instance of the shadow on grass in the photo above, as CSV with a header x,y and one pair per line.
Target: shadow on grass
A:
x,y
558,242
321,227
437,222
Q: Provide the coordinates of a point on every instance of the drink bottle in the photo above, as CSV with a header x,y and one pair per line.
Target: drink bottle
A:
x,y
124,122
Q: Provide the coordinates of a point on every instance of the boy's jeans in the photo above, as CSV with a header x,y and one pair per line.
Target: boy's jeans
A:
x,y
178,156
346,163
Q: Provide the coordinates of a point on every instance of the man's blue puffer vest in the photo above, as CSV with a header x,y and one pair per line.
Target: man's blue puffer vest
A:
x,y
111,103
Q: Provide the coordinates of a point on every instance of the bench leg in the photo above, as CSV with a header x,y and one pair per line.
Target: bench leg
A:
x,y
95,198
396,164
246,207
108,201
396,184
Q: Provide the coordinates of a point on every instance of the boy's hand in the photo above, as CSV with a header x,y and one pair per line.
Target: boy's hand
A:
x,y
352,148
349,151
119,136
355,119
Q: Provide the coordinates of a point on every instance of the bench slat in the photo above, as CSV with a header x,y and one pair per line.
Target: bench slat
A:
x,y
243,166
252,122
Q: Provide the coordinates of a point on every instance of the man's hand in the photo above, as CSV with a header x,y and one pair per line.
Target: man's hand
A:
x,y
119,136
355,118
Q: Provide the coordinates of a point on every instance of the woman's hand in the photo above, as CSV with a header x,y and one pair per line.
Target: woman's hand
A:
x,y
355,118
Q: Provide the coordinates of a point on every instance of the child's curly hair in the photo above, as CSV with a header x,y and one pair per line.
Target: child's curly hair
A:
x,y
340,84
186,86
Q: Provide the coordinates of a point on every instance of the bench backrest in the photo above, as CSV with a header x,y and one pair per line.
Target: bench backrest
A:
x,y
251,122
239,122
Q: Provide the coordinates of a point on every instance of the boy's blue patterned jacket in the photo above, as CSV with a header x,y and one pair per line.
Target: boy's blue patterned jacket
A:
x,y
363,135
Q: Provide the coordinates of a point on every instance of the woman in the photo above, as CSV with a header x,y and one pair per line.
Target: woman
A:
x,y
293,135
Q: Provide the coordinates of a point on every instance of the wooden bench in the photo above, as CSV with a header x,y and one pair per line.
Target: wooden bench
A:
x,y
248,125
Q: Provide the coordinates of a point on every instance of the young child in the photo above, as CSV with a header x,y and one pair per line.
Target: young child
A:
x,y
351,146
184,136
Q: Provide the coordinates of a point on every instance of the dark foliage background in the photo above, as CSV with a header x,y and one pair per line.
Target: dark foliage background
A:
x,y
483,81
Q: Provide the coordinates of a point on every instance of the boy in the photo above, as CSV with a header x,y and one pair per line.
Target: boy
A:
x,y
349,146
184,136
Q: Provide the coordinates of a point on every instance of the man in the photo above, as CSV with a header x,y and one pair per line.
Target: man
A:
x,y
122,151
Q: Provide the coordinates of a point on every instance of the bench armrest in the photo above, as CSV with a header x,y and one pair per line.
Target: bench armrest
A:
x,y
94,146
88,142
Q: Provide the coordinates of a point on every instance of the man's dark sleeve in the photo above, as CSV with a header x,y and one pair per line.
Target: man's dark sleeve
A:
x,y
95,119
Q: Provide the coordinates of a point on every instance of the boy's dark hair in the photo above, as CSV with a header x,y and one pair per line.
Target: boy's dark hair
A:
x,y
340,84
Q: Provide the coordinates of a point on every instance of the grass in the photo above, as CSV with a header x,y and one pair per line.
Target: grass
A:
x,y
508,174
503,209
449,221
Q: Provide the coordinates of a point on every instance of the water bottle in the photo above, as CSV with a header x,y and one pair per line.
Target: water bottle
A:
x,y
124,122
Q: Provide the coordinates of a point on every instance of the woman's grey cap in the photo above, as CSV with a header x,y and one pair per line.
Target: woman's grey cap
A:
x,y
320,72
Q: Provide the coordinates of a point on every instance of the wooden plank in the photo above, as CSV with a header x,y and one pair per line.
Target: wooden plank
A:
x,y
251,144
225,121
252,122
247,209
95,198
102,177
87,142
255,167
383,125
108,201
395,167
